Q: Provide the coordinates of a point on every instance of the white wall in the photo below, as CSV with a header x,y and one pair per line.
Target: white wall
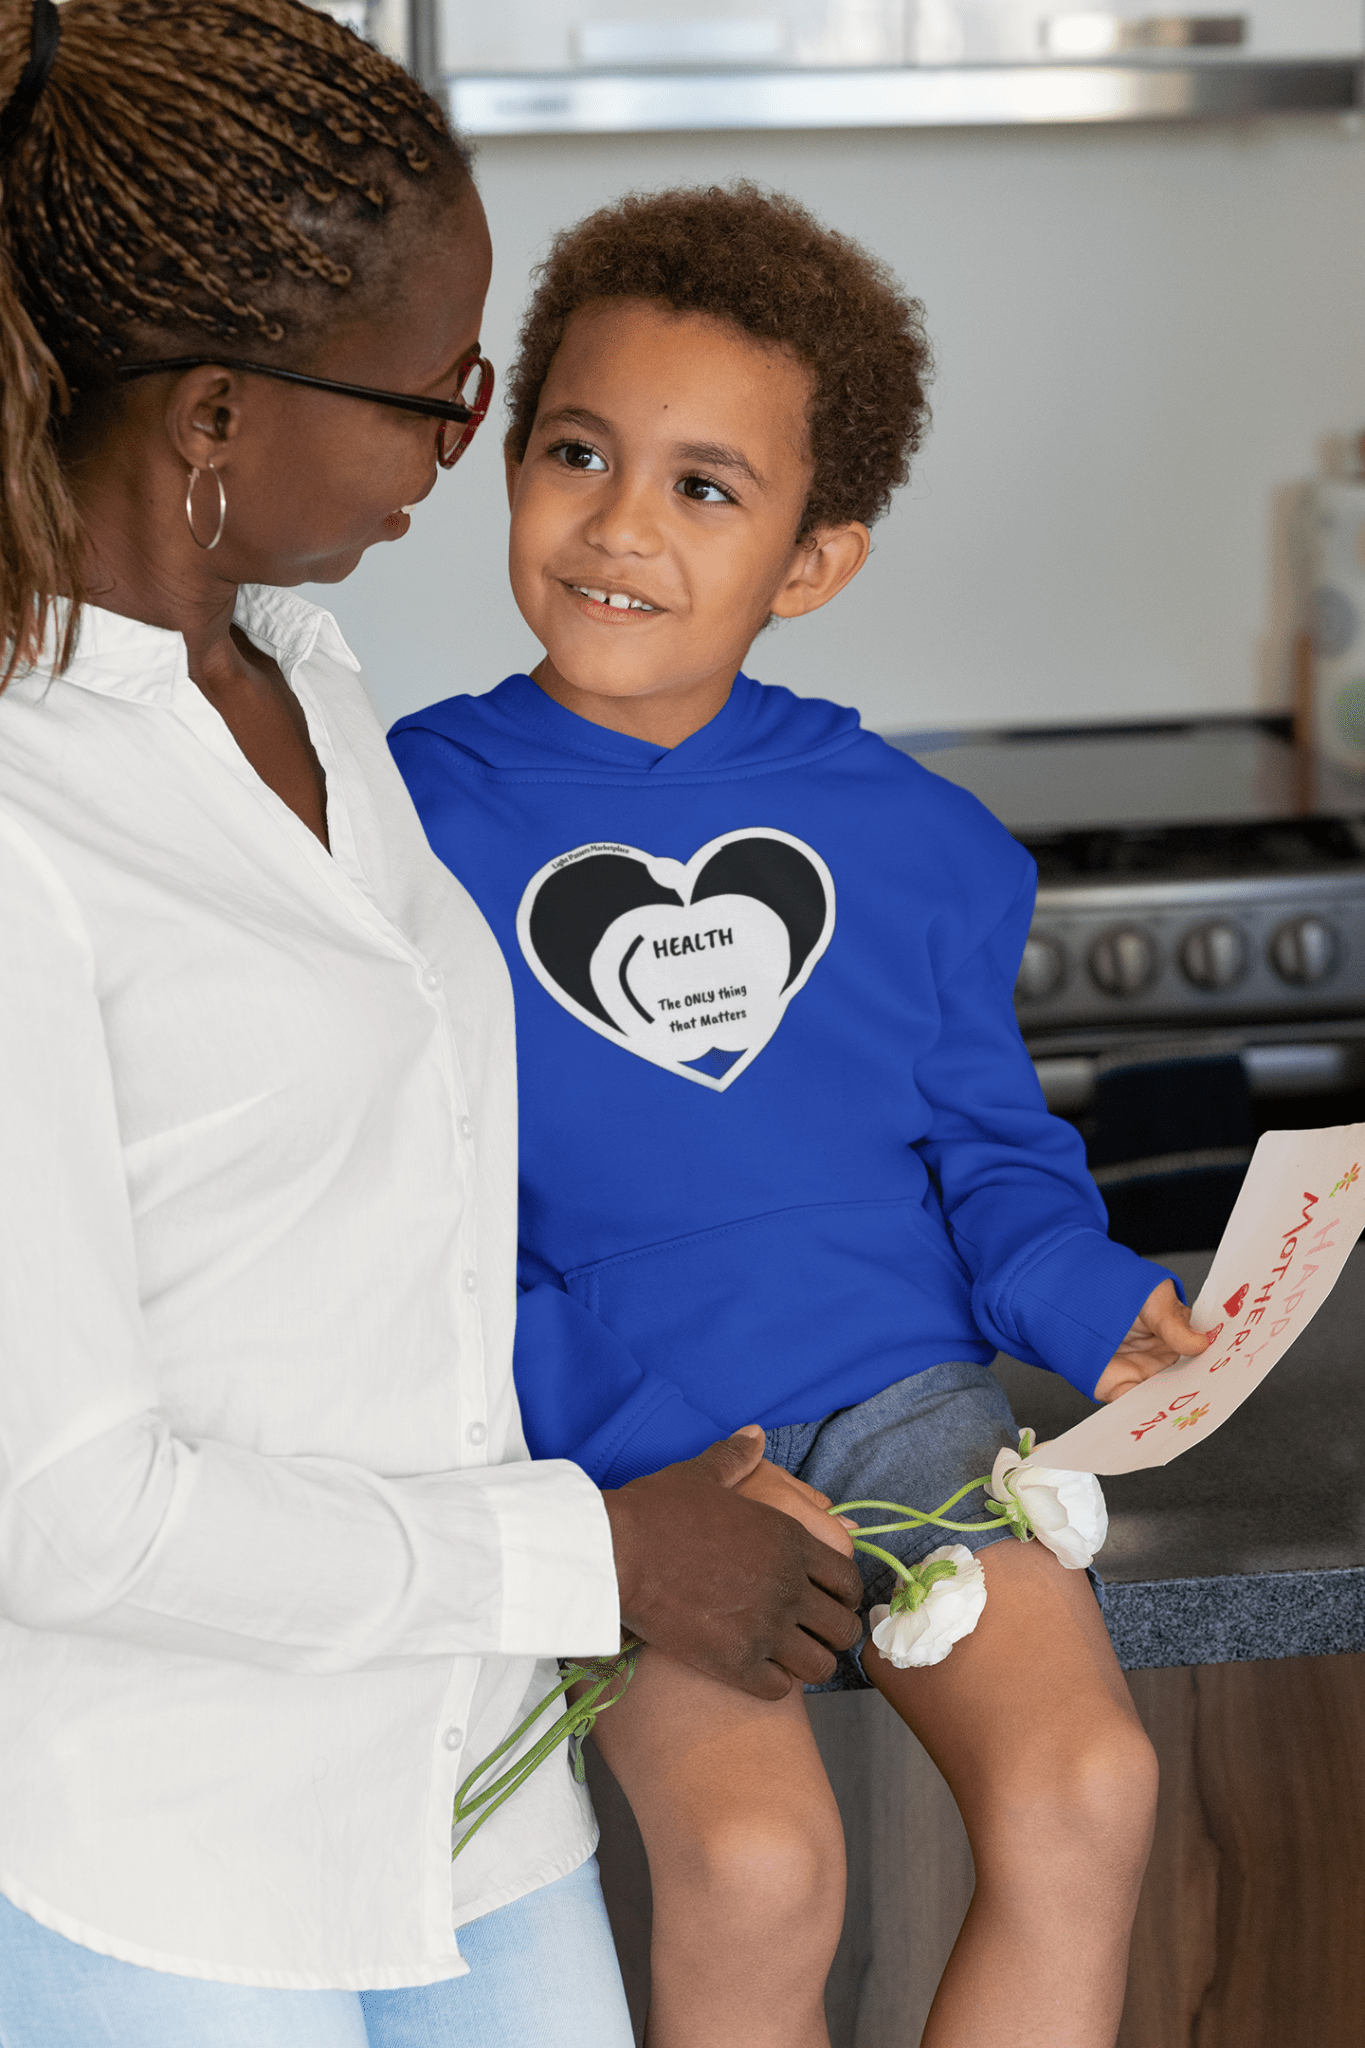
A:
x,y
1144,336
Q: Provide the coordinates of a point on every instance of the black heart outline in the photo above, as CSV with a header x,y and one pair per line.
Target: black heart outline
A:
x,y
567,919
570,904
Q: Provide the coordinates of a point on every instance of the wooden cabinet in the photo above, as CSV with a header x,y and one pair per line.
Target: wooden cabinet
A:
x,y
1251,1928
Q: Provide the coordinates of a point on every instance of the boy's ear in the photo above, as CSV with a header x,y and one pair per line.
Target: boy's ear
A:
x,y
512,466
821,567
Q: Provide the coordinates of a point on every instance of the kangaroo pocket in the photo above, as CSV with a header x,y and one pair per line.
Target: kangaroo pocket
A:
x,y
785,1317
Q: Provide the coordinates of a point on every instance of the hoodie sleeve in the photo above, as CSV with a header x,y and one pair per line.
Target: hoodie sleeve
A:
x,y
1048,1284
584,1393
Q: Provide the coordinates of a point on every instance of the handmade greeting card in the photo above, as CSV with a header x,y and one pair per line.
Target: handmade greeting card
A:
x,y
1301,1209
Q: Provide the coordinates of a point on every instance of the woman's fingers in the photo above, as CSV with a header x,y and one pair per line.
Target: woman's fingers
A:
x,y
728,1584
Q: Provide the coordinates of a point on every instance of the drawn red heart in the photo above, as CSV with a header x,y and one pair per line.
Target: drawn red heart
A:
x,y
1233,1304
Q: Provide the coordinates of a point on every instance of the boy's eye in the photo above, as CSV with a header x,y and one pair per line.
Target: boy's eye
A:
x,y
702,491
578,455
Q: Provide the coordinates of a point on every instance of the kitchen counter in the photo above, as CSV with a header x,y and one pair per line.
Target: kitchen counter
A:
x,y
1253,1545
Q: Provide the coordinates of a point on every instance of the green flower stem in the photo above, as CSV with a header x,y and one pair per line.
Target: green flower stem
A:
x,y
576,1723
894,1507
875,1550
928,1522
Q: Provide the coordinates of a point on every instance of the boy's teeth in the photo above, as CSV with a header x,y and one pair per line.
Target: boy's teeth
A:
x,y
618,600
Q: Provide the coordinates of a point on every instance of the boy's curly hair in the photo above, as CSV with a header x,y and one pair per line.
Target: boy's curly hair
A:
x,y
762,262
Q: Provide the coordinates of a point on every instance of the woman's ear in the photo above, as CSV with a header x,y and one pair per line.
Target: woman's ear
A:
x,y
204,414
821,566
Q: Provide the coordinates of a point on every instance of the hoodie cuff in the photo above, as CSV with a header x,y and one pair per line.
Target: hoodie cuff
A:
x,y
1071,1308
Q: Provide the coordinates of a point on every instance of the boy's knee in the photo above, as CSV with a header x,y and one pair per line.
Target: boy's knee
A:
x,y
769,1867
1111,1786
1093,1800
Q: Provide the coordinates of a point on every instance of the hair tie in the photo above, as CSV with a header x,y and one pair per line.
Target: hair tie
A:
x,y
18,108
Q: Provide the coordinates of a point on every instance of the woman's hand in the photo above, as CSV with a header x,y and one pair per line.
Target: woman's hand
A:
x,y
778,1489
724,1583
1159,1337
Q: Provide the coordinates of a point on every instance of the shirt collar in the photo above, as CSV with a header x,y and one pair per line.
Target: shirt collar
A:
x,y
122,657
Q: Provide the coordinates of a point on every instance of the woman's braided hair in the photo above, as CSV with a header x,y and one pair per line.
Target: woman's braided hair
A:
x,y
195,172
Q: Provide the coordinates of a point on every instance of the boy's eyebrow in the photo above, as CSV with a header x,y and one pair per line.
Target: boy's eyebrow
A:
x,y
713,454
716,455
575,416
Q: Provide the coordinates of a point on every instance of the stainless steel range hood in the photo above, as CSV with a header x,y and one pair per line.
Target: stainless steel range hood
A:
x,y
613,66
559,103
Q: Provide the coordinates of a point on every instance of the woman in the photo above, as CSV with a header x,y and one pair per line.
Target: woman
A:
x,y
274,1568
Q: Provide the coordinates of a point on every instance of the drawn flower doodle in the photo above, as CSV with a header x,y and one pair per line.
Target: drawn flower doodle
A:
x,y
1195,1415
1348,1179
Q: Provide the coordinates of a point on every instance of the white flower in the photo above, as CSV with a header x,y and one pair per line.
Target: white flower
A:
x,y
1064,1510
944,1610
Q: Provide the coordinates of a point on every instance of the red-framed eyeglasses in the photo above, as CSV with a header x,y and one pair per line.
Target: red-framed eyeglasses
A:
x,y
459,417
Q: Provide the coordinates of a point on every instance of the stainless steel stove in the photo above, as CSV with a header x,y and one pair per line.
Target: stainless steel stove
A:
x,y
1200,928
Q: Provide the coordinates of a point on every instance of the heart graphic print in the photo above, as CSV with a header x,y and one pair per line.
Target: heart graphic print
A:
x,y
690,964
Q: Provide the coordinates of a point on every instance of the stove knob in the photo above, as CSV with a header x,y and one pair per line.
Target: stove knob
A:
x,y
1123,960
1213,956
1304,951
1042,969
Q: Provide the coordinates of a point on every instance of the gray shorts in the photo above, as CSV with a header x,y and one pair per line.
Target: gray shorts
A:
x,y
915,1442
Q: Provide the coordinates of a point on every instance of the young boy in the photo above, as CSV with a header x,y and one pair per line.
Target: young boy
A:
x,y
784,1156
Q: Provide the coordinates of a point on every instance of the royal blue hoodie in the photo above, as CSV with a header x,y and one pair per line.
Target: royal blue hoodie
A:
x,y
781,1143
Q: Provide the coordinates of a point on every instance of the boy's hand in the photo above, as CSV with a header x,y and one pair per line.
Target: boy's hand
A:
x,y
1159,1337
778,1489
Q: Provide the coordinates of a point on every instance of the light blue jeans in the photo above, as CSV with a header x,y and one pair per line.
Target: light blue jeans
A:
x,y
540,1970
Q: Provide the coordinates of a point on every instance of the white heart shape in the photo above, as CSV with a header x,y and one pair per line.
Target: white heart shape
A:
x,y
677,981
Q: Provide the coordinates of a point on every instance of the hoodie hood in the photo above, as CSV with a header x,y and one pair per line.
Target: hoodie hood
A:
x,y
516,729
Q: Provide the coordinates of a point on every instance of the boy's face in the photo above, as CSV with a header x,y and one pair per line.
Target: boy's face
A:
x,y
668,469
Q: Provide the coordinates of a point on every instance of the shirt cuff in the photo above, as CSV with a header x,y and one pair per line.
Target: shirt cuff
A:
x,y
559,1591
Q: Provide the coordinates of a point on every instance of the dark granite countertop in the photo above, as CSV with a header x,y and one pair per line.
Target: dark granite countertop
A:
x,y
1252,1545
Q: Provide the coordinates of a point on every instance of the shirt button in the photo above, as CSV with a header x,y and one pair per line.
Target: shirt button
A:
x,y
477,1432
466,1126
453,1737
471,1281
432,979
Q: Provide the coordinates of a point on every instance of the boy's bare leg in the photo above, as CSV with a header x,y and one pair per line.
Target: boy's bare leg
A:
x,y
1031,1724
746,1858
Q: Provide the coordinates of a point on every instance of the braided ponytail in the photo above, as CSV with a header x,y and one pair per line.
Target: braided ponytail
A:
x,y
194,172
40,551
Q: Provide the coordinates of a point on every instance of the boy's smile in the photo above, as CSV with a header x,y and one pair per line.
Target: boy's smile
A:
x,y
655,516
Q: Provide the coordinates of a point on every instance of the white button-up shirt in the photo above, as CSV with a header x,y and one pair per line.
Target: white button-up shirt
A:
x,y
275,1569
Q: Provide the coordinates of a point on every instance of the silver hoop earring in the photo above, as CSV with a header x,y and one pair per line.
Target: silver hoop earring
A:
x,y
207,545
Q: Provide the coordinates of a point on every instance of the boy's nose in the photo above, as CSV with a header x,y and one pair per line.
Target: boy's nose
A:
x,y
623,521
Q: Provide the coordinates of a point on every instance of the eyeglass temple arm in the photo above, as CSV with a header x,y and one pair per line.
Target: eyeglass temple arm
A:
x,y
432,408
